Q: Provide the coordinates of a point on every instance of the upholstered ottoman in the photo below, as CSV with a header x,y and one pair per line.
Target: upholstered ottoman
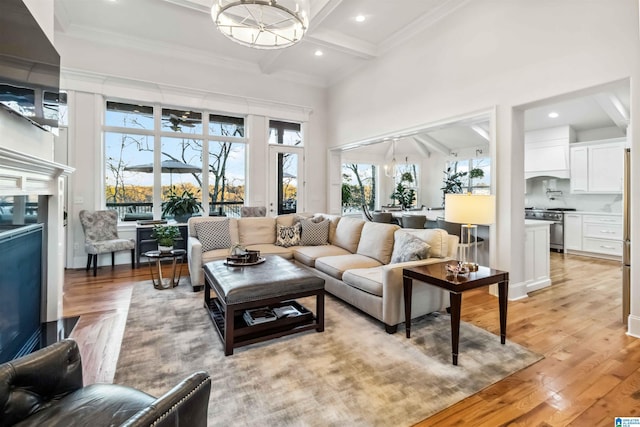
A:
x,y
274,283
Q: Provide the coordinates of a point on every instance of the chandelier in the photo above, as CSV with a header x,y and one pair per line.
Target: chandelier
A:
x,y
262,24
390,169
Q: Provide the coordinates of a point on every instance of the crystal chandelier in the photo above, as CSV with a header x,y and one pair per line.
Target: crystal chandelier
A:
x,y
262,24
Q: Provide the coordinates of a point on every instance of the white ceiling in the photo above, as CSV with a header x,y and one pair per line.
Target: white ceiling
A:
x,y
185,28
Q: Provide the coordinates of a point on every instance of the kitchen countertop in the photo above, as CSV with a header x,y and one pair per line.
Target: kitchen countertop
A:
x,y
596,213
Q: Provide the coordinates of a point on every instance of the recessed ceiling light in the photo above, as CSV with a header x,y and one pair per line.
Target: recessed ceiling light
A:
x,y
360,18
318,53
553,115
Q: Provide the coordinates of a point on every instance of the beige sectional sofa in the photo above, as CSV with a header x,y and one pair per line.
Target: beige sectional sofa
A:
x,y
355,262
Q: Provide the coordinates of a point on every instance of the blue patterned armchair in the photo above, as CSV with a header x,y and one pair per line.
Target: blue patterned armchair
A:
x,y
101,236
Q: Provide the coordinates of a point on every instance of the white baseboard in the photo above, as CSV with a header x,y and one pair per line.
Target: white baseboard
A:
x,y
633,327
537,284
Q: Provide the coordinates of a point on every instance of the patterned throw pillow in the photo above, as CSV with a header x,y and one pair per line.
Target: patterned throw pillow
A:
x,y
314,234
213,234
288,236
408,248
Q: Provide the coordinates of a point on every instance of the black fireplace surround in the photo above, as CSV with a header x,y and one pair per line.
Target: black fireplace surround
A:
x,y
21,287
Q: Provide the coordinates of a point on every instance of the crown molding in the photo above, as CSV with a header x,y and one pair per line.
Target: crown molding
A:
x,y
180,52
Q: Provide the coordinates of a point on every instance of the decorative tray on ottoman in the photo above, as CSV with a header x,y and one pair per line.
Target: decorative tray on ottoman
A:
x,y
247,258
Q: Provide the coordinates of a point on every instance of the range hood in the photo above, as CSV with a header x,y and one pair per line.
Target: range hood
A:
x,y
546,153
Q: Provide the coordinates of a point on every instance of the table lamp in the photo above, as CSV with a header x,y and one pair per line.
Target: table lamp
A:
x,y
469,210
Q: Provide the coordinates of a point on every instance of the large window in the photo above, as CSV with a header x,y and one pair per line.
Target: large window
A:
x,y
358,187
195,147
469,176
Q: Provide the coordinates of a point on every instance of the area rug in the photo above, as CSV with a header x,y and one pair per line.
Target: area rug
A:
x,y
353,373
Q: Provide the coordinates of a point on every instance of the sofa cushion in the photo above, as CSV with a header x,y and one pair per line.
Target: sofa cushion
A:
x,y
348,233
334,266
436,238
287,220
314,233
408,247
213,234
272,249
288,236
366,279
254,231
333,224
376,241
307,255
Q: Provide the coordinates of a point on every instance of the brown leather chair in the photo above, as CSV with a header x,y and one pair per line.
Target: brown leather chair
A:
x,y
45,388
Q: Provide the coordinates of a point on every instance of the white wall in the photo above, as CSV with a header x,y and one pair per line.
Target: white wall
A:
x,y
492,53
93,71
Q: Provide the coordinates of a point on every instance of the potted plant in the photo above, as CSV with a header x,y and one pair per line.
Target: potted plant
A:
x,y
404,195
452,182
166,236
181,207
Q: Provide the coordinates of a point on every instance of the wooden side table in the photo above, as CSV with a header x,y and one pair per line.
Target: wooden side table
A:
x,y
161,282
437,275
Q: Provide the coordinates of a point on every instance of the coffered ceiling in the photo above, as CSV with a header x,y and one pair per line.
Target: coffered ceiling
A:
x,y
185,28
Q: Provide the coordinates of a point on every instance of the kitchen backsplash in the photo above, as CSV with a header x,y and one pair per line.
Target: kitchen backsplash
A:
x,y
548,192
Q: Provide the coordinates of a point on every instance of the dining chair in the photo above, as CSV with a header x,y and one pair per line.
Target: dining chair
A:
x,y
101,236
366,214
385,217
413,221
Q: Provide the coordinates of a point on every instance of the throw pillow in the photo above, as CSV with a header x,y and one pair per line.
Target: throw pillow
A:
x,y
213,234
314,234
409,248
288,236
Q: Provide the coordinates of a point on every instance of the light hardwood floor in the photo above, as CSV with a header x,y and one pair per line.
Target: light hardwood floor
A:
x,y
590,373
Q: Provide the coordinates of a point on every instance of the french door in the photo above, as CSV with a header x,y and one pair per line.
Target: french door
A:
x,y
286,181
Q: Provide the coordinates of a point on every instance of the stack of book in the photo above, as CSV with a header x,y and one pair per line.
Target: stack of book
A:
x,y
266,314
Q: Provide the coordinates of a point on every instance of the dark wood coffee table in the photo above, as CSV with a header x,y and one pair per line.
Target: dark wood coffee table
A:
x,y
273,283
437,275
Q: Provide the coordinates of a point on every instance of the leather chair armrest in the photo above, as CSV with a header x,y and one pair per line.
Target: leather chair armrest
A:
x,y
28,383
185,404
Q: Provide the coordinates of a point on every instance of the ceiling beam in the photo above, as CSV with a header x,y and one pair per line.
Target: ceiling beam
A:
x,y
614,108
422,148
342,43
432,144
480,130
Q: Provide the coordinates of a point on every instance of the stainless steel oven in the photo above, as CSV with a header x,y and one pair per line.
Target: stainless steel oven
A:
x,y
556,229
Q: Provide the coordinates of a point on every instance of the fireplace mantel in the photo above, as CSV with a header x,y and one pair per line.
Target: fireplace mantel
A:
x,y
23,174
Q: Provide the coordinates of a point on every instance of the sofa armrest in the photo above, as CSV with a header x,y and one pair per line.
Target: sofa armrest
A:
x,y
29,383
393,301
194,260
185,404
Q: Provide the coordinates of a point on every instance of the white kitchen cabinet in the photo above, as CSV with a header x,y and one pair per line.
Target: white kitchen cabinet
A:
x,y
592,234
602,234
597,167
572,231
536,255
579,179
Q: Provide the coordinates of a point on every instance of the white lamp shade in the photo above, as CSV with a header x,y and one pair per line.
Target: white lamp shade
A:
x,y
469,208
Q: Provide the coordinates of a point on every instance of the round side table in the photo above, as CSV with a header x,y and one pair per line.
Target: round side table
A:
x,y
165,282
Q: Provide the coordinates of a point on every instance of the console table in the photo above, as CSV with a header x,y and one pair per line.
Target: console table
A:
x,y
146,243
437,275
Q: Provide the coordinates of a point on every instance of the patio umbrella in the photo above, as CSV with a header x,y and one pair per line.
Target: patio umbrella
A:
x,y
167,166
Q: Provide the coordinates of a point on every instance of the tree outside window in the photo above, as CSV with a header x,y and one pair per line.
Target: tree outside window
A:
x,y
131,139
358,187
